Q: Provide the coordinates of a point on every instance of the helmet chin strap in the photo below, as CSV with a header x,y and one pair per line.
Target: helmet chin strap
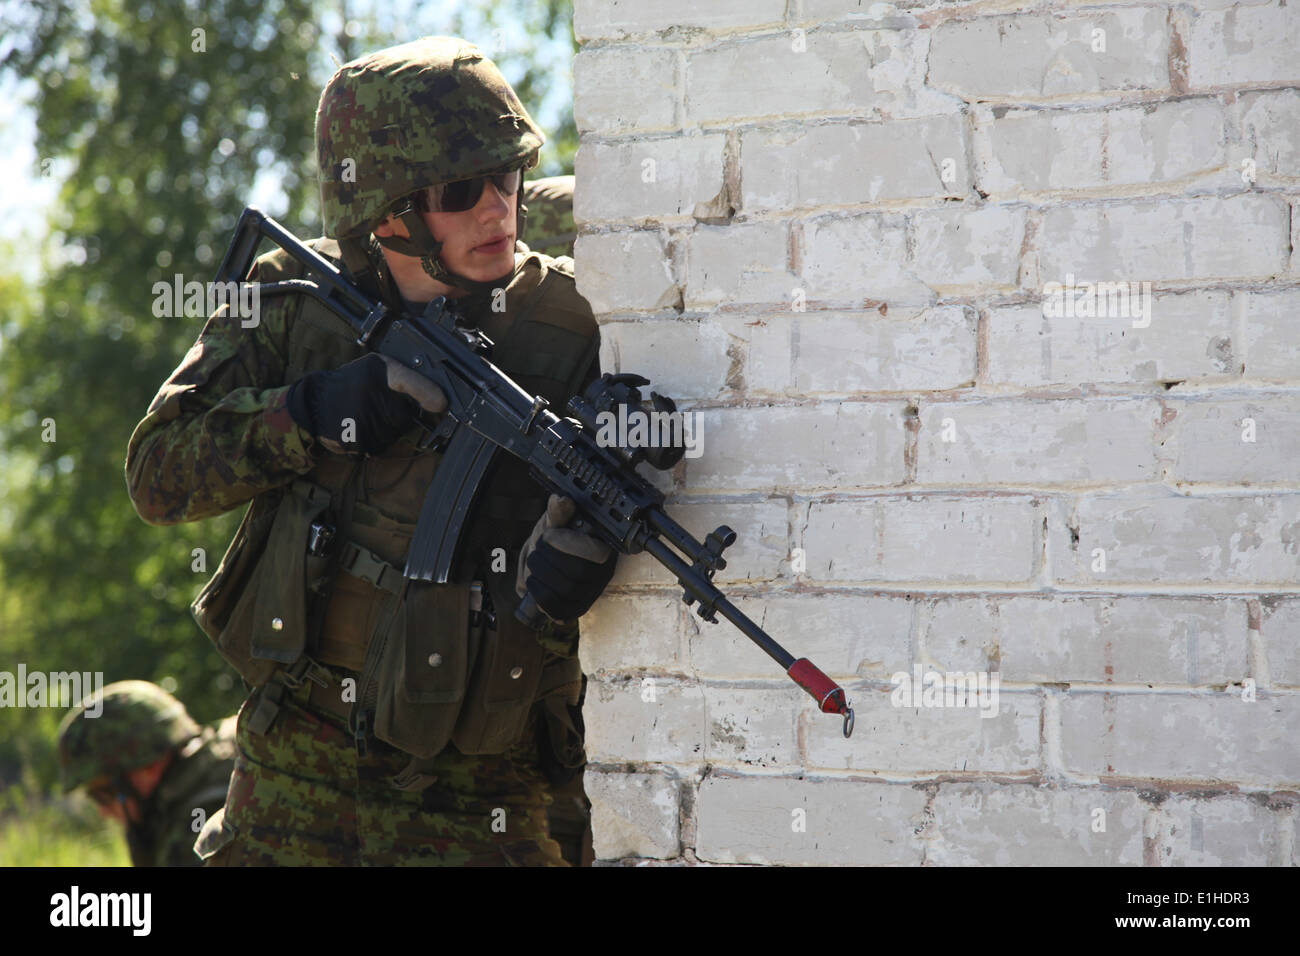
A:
x,y
423,246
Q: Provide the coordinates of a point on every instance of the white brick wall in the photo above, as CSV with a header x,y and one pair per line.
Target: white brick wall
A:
x,y
827,228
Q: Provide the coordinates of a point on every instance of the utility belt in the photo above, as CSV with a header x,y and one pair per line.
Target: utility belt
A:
x,y
310,684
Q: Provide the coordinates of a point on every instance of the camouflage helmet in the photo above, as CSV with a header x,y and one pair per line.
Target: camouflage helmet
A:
x,y
389,124
550,216
139,724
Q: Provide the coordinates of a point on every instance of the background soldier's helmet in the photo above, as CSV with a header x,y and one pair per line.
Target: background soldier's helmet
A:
x,y
140,724
550,216
389,124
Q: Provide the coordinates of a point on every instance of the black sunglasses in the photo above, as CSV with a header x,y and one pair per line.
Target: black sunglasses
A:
x,y
464,194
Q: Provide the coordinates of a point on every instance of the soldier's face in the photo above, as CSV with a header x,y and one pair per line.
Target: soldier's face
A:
x,y
478,243
111,805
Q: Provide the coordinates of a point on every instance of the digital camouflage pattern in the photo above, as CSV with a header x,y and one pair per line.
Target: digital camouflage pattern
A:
x,y
550,227
139,725
431,111
300,796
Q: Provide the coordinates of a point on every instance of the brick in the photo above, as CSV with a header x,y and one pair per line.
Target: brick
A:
x,y
1165,538
960,248
1024,56
1219,738
1017,442
1164,240
621,89
753,727
849,259
1206,439
1121,639
1242,46
742,262
682,172
1190,337
847,635
1016,825
625,270
929,739
761,551
1036,150
855,163
810,354
633,814
966,540
868,72
960,634
596,19
1270,127
1272,341
839,445
627,632
622,725
1220,831
752,820
682,359
1279,627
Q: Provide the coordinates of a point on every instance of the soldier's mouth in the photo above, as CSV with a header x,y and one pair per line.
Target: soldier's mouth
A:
x,y
496,245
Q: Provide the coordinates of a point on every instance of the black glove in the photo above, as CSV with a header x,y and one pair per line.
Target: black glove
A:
x,y
367,390
563,569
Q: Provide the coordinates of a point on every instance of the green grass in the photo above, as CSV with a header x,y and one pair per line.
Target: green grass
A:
x,y
42,830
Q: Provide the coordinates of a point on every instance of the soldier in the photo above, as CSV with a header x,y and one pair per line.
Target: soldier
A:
x,y
550,216
392,721
146,762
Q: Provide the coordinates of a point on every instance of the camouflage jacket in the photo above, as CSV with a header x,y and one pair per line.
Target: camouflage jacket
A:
x,y
219,433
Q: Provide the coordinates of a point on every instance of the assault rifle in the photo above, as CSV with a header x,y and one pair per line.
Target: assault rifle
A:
x,y
487,411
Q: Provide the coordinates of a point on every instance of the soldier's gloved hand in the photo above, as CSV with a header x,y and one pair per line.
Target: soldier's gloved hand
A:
x,y
381,397
563,569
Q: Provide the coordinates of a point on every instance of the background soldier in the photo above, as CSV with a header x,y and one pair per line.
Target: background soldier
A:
x,y
393,721
146,762
550,216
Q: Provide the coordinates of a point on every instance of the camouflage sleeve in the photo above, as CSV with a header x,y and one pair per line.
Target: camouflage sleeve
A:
x,y
219,431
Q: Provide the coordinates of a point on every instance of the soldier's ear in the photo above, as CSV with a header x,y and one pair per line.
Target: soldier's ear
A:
x,y
385,228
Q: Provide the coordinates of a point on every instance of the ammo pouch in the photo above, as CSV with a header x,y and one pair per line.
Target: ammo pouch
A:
x,y
255,606
506,679
416,667
439,679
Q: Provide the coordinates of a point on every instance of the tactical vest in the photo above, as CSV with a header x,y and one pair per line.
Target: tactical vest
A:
x,y
430,670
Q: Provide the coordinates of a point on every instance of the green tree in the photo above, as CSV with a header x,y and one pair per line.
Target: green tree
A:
x,y
165,114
